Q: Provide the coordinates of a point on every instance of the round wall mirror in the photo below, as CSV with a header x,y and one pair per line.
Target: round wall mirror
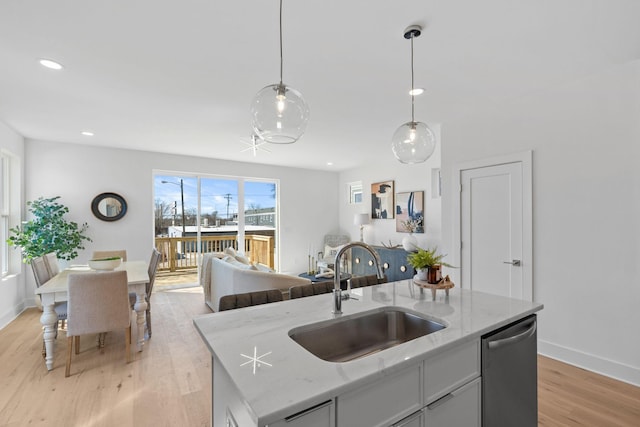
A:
x,y
109,206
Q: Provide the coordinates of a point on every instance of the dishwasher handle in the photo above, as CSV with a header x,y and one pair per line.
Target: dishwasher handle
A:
x,y
493,345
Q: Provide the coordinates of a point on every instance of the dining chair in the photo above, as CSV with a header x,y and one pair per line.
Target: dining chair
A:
x,y
97,302
51,260
122,253
154,262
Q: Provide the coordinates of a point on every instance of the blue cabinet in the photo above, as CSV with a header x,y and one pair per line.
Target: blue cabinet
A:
x,y
394,263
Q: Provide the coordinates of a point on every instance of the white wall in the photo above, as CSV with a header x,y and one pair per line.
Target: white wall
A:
x,y
78,173
12,290
585,138
406,178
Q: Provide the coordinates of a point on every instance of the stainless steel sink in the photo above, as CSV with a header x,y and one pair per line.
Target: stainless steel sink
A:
x,y
351,338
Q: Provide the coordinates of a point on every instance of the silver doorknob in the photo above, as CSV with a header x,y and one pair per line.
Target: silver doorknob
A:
x,y
515,262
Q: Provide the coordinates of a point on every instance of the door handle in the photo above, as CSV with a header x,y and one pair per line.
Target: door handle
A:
x,y
515,262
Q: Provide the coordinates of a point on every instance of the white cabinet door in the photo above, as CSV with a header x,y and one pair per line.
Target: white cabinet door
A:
x,y
318,416
460,408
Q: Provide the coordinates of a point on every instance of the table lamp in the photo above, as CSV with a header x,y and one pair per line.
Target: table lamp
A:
x,y
361,220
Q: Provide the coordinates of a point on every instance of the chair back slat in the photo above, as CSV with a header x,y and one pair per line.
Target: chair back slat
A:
x,y
51,260
40,271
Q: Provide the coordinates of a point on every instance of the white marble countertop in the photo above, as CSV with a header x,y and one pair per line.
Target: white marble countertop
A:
x,y
296,379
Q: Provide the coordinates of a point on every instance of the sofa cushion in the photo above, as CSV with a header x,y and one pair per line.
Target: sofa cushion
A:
x,y
230,251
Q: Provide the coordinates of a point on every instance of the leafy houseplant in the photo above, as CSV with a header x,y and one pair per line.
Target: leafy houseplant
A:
x,y
427,262
48,232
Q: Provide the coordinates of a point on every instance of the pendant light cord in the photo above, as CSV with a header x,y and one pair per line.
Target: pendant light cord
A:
x,y
412,93
281,60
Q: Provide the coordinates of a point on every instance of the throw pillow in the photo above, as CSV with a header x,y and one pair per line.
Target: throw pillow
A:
x,y
230,251
331,251
241,258
237,264
262,267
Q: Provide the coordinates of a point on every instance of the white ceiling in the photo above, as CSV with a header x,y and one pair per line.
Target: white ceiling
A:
x,y
178,76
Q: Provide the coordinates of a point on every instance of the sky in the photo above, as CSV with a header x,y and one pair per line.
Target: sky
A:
x,y
214,192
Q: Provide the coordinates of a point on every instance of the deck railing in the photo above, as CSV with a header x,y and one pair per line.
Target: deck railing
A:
x,y
180,253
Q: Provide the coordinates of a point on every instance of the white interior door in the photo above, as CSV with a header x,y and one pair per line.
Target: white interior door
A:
x,y
495,229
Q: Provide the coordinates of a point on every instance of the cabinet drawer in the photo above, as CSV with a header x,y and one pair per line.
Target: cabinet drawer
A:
x,y
449,370
414,420
382,402
317,416
460,408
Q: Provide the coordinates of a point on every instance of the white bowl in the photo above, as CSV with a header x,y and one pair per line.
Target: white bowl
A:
x,y
104,264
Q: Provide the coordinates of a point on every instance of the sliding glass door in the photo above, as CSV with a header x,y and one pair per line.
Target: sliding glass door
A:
x,y
198,214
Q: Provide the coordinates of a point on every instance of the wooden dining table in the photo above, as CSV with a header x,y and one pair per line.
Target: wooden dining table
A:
x,y
55,290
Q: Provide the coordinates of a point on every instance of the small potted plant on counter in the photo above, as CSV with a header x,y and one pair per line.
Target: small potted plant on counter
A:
x,y
427,263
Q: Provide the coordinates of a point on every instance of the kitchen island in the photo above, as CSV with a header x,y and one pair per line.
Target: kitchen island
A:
x,y
262,377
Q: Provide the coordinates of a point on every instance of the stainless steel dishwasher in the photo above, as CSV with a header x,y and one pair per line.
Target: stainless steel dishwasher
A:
x,y
510,375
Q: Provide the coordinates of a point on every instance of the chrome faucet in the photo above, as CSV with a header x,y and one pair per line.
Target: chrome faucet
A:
x,y
338,297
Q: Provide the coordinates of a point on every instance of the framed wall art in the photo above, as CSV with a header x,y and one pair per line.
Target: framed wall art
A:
x,y
382,206
410,212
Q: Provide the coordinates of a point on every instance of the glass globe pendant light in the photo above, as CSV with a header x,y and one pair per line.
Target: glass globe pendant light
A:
x,y
279,113
413,142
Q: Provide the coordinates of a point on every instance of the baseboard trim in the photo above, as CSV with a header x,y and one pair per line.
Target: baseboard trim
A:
x,y
606,367
11,315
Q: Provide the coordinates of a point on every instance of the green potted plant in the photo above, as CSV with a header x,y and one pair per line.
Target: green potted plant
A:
x,y
48,232
427,263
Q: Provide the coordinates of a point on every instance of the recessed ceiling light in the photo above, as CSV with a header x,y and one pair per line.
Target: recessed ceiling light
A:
x,y
329,163
417,91
87,133
51,64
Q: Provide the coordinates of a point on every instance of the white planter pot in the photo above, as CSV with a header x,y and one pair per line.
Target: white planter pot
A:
x,y
422,274
410,243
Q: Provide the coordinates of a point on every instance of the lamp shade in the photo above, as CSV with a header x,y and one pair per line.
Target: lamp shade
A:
x,y
279,114
361,219
413,142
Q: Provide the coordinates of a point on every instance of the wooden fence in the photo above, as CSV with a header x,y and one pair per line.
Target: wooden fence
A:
x,y
180,253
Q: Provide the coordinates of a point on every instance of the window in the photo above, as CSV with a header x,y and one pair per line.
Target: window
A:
x,y
4,213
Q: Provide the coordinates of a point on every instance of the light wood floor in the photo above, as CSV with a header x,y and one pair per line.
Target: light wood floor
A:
x,y
570,396
169,384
